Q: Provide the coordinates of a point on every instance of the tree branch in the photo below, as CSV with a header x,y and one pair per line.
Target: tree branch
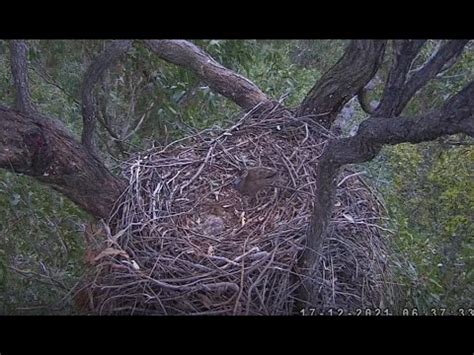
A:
x,y
456,116
220,79
400,88
112,52
19,68
405,53
444,58
40,147
343,81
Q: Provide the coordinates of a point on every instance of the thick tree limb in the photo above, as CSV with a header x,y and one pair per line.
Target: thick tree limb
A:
x,y
343,81
220,79
456,116
19,68
104,60
38,146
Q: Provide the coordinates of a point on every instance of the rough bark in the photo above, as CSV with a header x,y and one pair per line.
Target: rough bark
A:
x,y
112,52
220,79
343,81
40,147
19,69
456,116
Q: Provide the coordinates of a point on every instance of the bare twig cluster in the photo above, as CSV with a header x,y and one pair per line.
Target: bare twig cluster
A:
x,y
182,240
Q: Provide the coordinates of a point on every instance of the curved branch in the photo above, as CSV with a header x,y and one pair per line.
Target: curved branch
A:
x,y
19,68
343,81
220,79
40,147
112,52
456,116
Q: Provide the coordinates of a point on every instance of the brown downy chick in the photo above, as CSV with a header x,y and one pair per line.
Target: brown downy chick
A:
x,y
254,179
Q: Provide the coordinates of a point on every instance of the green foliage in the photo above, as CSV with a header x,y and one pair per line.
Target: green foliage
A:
x,y
7,91
41,247
274,65
429,191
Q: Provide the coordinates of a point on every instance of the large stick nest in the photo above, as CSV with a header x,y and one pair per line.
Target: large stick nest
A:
x,y
183,240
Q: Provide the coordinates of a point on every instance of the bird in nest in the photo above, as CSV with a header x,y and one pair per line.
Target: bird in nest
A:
x,y
254,179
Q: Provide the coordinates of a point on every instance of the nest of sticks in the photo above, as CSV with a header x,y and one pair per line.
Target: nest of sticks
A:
x,y
183,241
